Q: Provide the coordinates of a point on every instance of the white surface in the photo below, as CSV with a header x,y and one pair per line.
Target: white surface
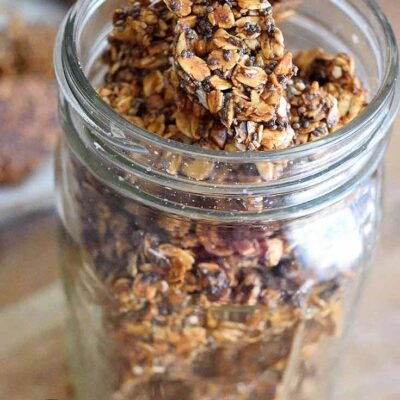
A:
x,y
35,10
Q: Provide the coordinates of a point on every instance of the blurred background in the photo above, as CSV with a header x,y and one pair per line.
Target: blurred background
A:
x,y
32,358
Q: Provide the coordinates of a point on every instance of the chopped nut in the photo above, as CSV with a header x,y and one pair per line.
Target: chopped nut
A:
x,y
222,16
195,67
285,66
273,140
219,83
217,61
215,101
198,169
181,261
254,4
219,135
181,7
274,252
250,76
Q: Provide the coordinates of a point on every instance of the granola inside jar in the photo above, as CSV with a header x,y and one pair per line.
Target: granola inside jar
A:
x,y
220,201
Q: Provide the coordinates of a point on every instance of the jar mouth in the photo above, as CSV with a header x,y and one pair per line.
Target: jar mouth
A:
x,y
84,97
304,178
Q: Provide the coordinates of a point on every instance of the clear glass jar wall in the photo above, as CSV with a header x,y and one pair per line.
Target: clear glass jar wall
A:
x,y
200,275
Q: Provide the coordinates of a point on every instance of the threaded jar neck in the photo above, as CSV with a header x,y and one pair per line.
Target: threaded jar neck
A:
x,y
298,179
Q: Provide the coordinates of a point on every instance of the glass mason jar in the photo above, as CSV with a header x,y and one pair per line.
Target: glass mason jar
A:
x,y
200,275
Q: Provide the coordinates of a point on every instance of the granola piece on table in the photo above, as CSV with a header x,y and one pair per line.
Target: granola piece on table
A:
x,y
29,125
28,96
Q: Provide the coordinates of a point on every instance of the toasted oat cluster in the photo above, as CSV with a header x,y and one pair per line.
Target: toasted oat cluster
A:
x,y
218,75
332,78
231,59
138,84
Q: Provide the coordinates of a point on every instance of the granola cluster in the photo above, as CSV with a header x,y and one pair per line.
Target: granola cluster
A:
x,y
201,310
334,83
218,75
137,82
231,59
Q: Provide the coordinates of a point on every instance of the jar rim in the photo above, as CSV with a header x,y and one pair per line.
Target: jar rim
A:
x,y
317,174
101,114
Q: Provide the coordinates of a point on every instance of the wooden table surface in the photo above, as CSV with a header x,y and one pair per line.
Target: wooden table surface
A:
x,y
32,360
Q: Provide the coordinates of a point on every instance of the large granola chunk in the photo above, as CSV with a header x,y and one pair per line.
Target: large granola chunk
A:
x,y
230,58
